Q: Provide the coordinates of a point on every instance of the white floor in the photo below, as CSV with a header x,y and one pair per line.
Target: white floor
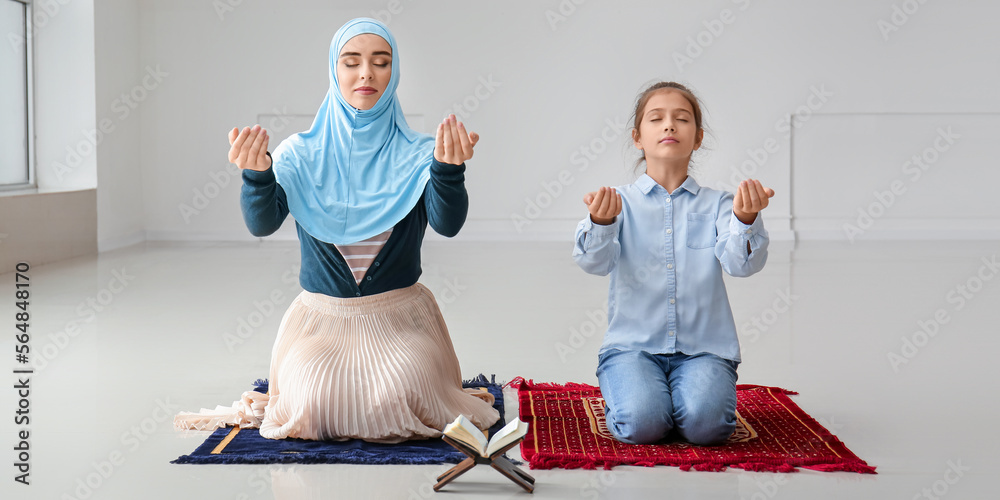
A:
x,y
164,328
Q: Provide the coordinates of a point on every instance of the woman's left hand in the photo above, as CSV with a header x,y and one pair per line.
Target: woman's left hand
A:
x,y
453,144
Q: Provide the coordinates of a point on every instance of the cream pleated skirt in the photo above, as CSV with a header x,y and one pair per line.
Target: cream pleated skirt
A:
x,y
380,368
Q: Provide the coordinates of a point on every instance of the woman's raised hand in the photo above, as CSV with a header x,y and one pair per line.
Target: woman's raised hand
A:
x,y
751,197
604,204
453,144
249,148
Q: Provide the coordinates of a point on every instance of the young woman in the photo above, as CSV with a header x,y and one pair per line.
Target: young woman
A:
x,y
363,352
669,357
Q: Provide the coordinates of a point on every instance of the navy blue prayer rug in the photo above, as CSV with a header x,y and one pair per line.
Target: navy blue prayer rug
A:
x,y
231,445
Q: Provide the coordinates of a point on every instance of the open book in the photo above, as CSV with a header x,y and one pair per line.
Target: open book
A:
x,y
463,431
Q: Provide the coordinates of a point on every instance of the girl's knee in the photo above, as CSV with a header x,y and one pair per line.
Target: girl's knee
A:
x,y
707,431
639,432
642,423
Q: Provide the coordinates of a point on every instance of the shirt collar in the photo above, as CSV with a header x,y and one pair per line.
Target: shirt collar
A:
x,y
645,183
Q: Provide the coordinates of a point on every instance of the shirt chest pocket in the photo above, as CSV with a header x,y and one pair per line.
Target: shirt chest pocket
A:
x,y
700,231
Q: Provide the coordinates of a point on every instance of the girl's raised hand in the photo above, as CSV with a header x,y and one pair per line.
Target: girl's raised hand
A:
x,y
751,197
453,144
248,148
605,204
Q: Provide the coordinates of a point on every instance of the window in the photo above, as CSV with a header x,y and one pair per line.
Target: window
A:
x,y
15,96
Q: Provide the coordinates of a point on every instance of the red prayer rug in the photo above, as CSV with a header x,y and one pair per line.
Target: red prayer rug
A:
x,y
567,430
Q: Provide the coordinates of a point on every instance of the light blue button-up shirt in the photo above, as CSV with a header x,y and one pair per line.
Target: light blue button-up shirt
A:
x,y
666,253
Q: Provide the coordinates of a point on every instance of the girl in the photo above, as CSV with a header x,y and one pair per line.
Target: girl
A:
x,y
363,351
669,357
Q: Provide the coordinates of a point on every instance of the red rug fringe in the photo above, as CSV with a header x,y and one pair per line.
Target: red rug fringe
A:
x,y
520,382
549,461
861,468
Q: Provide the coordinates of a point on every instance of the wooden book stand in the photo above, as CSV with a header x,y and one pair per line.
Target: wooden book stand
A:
x,y
496,460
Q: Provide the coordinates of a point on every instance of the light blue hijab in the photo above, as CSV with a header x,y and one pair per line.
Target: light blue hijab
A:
x,y
355,173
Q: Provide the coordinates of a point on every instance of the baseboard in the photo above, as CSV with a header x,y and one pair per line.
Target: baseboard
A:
x,y
109,244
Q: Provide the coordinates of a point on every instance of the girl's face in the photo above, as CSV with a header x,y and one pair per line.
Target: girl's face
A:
x,y
363,70
667,131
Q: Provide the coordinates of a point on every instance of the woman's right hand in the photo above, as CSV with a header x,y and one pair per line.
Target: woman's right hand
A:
x,y
604,204
249,148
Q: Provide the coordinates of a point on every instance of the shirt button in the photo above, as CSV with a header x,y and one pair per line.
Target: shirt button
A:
x,y
671,333
668,199
358,294
748,231
369,278
669,230
376,264
670,266
672,301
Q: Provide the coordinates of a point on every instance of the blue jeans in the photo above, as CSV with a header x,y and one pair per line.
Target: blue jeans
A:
x,y
648,395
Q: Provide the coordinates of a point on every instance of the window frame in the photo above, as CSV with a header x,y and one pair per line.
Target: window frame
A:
x,y
29,101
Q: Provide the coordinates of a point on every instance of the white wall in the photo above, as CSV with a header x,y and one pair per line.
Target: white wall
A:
x,y
558,86
917,175
119,155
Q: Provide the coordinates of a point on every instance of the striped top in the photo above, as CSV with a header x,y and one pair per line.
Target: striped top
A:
x,y
360,255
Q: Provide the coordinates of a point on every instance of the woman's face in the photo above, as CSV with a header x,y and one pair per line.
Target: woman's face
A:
x,y
363,70
667,130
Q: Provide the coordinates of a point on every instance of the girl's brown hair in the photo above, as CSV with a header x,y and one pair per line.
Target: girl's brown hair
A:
x,y
640,107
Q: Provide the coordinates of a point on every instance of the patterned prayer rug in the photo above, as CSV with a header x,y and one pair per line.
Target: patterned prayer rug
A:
x,y
568,430
232,445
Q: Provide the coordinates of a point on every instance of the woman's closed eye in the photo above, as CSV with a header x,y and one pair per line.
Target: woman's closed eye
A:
x,y
355,65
